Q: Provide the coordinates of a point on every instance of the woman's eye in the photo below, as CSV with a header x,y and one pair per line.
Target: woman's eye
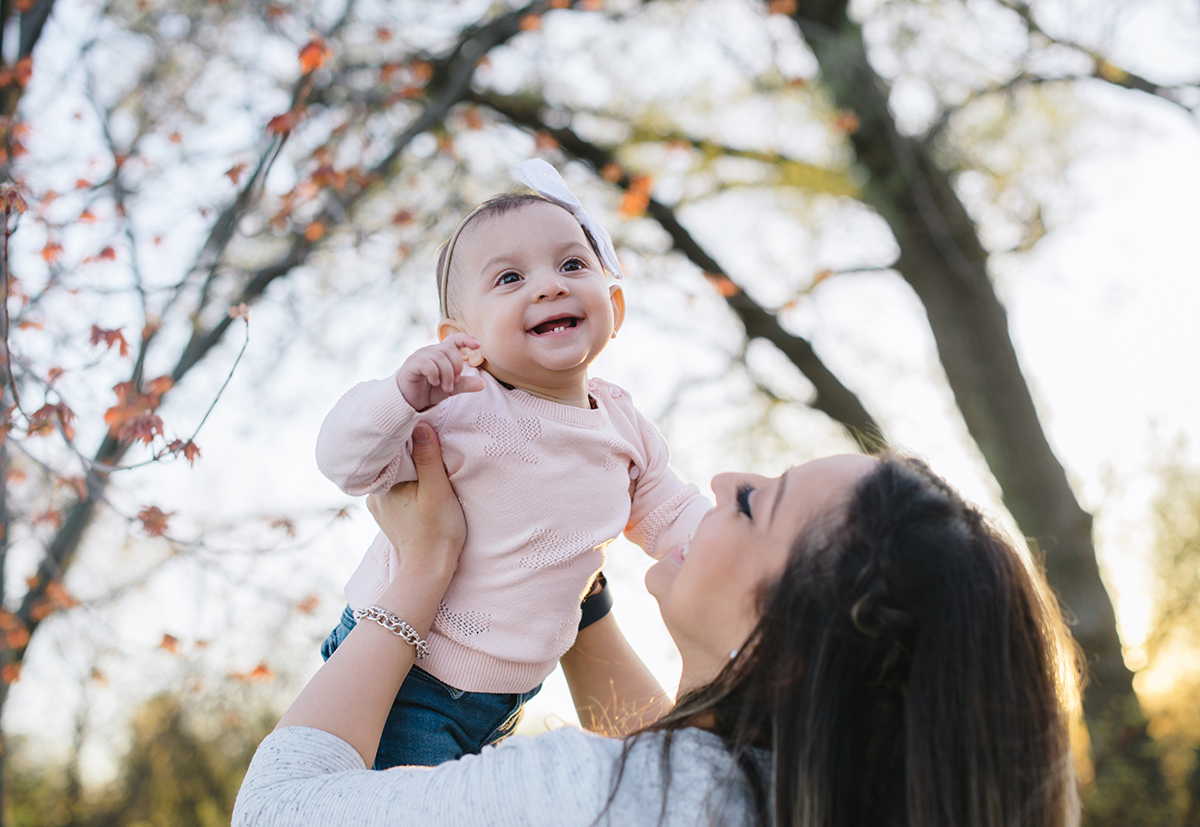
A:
x,y
508,278
743,499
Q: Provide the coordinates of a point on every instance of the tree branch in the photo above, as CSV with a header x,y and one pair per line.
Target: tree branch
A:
x,y
831,397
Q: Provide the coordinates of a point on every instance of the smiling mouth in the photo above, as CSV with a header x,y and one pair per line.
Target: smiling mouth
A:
x,y
554,325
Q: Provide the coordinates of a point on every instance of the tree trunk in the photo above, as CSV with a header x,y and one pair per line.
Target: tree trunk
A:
x,y
943,260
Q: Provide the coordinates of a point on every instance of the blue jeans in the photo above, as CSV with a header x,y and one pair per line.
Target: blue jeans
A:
x,y
431,721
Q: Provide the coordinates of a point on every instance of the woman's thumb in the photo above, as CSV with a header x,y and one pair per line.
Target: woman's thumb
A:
x,y
427,454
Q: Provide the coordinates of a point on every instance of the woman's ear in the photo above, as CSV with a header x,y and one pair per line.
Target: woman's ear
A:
x,y
617,296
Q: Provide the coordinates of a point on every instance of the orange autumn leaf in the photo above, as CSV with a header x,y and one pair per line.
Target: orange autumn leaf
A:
x,y
12,199
314,231
781,7
51,413
724,286
846,121
531,23
175,138
637,197
57,594
170,643
262,672
111,339
51,252
240,311
592,5
51,517
54,374
10,673
559,4
188,449
154,520
308,604
611,172
98,676
234,173
383,34
87,217
314,53
160,385
23,70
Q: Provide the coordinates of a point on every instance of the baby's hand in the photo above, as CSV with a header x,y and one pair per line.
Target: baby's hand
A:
x,y
434,373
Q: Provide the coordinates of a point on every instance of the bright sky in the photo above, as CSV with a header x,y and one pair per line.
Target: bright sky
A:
x,y
1101,313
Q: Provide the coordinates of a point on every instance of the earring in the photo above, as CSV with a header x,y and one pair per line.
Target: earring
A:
x,y
733,655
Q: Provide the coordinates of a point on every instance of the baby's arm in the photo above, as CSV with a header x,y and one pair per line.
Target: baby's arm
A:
x,y
664,511
365,442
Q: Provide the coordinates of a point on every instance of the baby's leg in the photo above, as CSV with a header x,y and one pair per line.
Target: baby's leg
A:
x,y
432,722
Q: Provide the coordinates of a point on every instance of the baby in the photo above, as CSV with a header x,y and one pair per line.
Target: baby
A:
x,y
550,466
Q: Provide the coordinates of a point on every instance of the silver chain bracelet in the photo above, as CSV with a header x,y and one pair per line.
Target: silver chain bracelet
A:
x,y
394,625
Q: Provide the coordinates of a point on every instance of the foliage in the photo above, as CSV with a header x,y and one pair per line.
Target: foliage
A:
x,y
178,771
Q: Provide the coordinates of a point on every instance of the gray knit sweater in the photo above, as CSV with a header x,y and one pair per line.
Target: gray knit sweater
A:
x,y
302,776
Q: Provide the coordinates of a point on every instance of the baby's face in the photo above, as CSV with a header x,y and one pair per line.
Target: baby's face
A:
x,y
534,295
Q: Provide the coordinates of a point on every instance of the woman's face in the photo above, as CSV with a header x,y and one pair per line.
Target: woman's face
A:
x,y
707,590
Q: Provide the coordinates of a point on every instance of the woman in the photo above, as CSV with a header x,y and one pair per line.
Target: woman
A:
x,y
858,647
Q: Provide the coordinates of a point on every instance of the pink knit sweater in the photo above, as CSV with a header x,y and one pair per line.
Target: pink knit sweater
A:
x,y
545,488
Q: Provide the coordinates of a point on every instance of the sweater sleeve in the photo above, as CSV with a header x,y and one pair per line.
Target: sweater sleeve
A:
x,y
664,511
302,776
365,442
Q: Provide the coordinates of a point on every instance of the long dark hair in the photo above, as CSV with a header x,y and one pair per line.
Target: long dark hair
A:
x,y
909,669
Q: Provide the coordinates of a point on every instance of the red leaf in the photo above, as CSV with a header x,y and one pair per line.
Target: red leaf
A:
x,y
234,173
110,338
283,123
154,523
58,411
10,673
188,449
142,428
170,643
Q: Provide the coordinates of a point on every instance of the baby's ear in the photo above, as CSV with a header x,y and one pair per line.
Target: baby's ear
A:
x,y
617,296
448,327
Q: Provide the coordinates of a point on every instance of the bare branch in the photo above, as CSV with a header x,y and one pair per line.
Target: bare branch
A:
x,y
831,397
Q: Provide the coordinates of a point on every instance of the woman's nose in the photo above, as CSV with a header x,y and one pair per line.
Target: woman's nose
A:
x,y
724,486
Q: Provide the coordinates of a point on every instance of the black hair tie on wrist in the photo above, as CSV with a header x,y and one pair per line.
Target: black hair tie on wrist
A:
x,y
597,604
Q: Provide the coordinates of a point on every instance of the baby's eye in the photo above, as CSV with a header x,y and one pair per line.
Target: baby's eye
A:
x,y
508,278
573,264
743,499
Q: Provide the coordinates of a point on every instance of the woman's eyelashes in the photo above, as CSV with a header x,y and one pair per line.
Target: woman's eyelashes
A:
x,y
743,499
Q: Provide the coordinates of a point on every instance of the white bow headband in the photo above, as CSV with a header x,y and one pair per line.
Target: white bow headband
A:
x,y
546,182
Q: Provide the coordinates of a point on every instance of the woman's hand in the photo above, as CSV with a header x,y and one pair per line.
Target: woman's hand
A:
x,y
351,695
423,520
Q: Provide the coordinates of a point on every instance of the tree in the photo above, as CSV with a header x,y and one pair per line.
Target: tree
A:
x,y
353,163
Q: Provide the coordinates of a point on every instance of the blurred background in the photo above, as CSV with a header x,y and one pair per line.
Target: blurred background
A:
x,y
963,229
